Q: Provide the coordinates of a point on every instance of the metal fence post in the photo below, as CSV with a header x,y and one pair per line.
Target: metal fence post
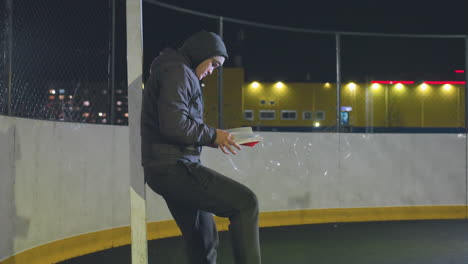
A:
x,y
466,84
139,246
338,83
220,83
466,127
111,63
9,54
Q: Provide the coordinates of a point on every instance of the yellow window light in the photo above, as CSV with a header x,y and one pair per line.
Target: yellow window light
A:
x,y
279,85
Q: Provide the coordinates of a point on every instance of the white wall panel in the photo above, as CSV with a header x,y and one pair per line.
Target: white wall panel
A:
x,y
70,179
7,176
64,179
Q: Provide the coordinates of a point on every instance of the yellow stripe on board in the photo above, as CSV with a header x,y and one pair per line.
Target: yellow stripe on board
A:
x,y
101,240
73,247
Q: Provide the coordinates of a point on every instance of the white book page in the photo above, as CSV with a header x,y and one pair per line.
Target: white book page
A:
x,y
244,135
240,130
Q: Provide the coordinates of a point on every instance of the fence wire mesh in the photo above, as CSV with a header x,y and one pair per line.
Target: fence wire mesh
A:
x,y
3,57
62,58
403,84
61,62
286,79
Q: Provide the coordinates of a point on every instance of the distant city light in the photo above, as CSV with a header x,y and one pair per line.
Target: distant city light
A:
x,y
86,103
327,85
71,96
62,97
85,114
104,121
317,124
52,91
100,114
459,71
119,103
62,91
126,115
202,85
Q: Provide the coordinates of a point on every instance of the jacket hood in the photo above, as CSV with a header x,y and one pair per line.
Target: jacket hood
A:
x,y
169,56
203,45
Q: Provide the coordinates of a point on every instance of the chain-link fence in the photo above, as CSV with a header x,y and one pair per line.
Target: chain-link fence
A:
x,y
64,60
67,62
403,84
4,26
287,79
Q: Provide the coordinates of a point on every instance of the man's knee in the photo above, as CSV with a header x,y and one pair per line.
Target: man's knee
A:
x,y
251,202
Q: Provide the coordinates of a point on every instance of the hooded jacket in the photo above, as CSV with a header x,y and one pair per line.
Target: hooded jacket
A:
x,y
172,126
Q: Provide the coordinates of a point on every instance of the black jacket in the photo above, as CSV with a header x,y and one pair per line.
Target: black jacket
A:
x,y
172,126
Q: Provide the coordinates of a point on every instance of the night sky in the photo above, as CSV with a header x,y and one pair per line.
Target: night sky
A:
x,y
61,37
66,43
270,55
411,16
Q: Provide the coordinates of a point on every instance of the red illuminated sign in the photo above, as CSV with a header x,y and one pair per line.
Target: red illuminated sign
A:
x,y
393,82
447,82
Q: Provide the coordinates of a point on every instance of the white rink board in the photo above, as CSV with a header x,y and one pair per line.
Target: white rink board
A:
x,y
71,179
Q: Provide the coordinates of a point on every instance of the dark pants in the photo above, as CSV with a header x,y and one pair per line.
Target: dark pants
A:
x,y
192,193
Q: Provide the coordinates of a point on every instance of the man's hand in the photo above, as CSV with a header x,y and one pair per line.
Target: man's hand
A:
x,y
225,140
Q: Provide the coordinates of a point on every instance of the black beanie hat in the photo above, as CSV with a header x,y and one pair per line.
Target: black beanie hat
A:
x,y
203,45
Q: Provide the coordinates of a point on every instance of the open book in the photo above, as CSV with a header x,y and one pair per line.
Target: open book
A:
x,y
245,136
